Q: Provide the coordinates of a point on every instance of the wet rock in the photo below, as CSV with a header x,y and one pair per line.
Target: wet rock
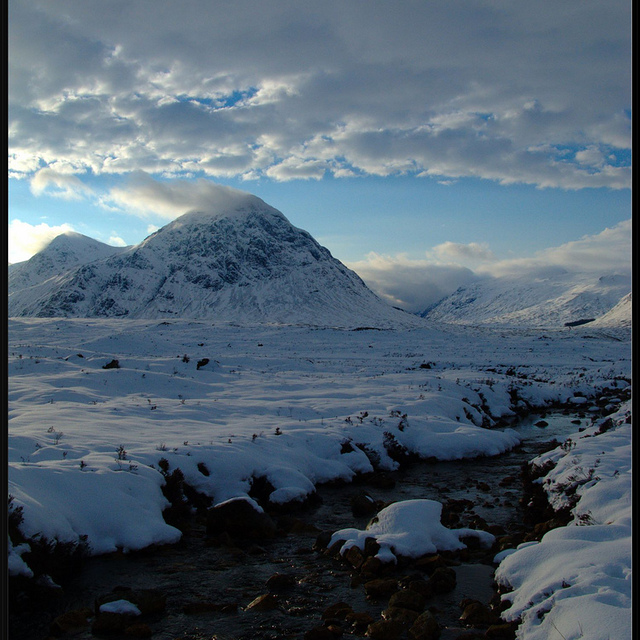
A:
x,y
71,622
380,587
339,611
281,582
362,504
404,617
322,540
430,563
354,557
420,586
443,580
425,627
384,630
265,602
541,424
359,620
335,629
239,519
371,546
477,614
408,599
371,567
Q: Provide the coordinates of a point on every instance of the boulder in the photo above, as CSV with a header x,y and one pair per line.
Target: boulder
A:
x,y
240,519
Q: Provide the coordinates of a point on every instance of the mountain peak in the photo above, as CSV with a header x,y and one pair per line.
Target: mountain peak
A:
x,y
234,258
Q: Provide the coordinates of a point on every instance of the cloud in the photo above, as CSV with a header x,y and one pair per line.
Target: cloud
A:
x,y
408,283
143,195
607,251
59,185
116,241
25,239
414,284
457,252
293,90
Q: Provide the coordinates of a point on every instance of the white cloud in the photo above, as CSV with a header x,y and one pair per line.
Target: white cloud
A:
x,y
58,184
467,254
414,284
26,239
408,283
249,88
143,195
116,241
608,251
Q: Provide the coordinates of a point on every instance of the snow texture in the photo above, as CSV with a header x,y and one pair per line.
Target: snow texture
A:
x,y
576,582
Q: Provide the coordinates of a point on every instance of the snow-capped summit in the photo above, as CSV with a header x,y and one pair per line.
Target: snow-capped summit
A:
x,y
34,279
237,260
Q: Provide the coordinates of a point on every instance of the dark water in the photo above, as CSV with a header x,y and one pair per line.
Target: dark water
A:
x,y
194,571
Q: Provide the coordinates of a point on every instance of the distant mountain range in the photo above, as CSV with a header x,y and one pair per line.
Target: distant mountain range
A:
x,y
553,299
243,262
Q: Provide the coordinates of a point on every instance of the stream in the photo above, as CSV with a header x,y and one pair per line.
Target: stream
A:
x,y
228,579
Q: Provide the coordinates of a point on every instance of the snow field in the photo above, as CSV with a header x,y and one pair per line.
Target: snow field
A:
x,y
301,406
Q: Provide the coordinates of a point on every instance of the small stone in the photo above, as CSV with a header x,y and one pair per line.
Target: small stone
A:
x,y
339,610
443,580
71,622
384,630
265,602
371,566
354,557
362,504
430,563
380,587
408,599
478,614
425,627
359,620
280,581
401,615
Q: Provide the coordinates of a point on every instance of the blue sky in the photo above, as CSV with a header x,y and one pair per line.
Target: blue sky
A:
x,y
416,135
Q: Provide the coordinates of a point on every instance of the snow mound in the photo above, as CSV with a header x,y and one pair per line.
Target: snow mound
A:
x,y
411,529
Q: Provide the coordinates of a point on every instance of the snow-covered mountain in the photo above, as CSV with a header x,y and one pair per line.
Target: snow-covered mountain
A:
x,y
619,316
242,261
553,299
63,253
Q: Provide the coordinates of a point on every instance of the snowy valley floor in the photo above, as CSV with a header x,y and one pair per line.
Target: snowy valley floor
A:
x,y
300,406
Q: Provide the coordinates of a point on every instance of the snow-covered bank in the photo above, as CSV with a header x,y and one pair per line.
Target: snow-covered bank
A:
x,y
576,582
296,406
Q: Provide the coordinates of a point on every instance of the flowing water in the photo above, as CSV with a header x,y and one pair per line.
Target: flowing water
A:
x,y
229,579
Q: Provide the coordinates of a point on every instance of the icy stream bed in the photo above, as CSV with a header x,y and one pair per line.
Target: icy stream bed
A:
x,y
194,571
